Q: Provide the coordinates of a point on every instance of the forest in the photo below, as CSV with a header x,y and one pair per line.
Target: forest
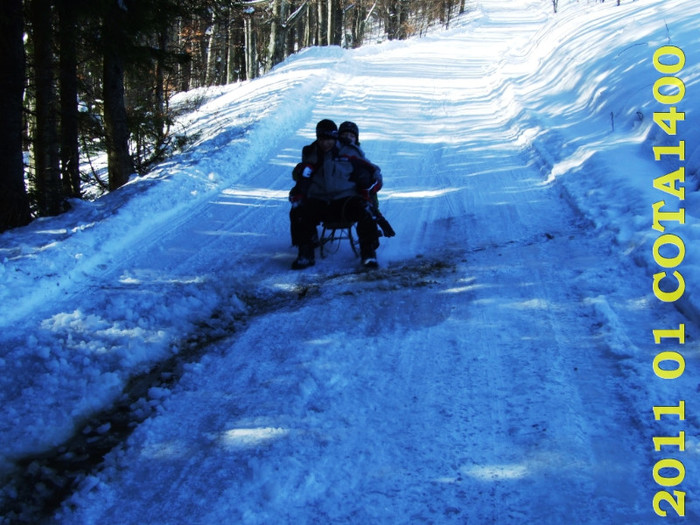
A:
x,y
89,78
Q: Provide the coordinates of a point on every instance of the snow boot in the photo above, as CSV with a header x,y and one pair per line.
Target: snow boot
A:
x,y
305,259
370,263
369,258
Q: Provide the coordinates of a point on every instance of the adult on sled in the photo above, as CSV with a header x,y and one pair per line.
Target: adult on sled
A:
x,y
330,187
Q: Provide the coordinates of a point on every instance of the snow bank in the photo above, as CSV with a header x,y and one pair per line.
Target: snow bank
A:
x,y
588,104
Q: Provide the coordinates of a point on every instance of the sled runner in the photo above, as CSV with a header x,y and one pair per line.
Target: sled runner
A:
x,y
334,233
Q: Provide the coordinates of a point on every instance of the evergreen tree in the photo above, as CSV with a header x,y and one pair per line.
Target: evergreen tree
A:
x,y
14,203
114,42
68,82
46,149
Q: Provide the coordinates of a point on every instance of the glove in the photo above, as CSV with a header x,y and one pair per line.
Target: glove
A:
x,y
295,197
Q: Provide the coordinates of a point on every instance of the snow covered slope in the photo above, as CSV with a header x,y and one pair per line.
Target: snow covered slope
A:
x,y
496,369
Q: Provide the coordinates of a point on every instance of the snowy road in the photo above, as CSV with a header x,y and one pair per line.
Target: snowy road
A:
x,y
494,370
488,394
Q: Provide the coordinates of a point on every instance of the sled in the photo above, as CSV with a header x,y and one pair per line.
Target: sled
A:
x,y
334,233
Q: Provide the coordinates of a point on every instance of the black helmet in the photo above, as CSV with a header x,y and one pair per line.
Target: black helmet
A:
x,y
326,129
350,127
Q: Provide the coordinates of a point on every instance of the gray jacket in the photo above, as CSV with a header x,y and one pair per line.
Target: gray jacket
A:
x,y
341,173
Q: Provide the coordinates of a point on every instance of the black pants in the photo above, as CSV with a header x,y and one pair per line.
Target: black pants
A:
x,y
305,217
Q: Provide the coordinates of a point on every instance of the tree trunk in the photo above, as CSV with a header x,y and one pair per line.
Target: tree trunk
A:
x,y
292,24
119,163
200,48
161,97
330,20
391,21
358,22
214,53
68,81
307,33
403,19
46,150
277,48
321,24
335,23
184,67
236,64
14,204
251,54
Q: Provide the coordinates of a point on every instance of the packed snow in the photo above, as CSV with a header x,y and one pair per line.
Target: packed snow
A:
x,y
496,368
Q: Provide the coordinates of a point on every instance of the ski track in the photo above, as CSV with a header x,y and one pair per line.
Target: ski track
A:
x,y
357,403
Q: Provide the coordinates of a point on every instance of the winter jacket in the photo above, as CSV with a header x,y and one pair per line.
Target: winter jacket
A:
x,y
353,150
340,173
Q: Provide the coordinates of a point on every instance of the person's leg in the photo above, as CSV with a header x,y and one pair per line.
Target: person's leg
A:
x,y
304,219
294,224
356,209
